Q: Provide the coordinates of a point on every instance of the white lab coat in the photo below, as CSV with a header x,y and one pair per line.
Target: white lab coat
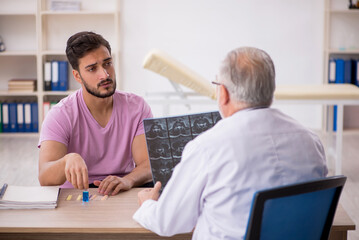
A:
x,y
211,189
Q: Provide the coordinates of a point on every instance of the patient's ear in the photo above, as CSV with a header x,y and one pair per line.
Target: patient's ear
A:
x,y
77,75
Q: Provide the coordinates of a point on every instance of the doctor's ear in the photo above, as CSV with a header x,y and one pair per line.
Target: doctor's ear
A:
x,y
224,97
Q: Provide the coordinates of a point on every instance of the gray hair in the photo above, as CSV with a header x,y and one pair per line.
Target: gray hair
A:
x,y
249,76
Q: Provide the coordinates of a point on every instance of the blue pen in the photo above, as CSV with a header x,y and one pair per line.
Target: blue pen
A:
x,y
3,189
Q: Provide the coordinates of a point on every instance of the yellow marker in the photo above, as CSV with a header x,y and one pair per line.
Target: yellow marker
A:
x,y
104,198
69,197
79,198
93,197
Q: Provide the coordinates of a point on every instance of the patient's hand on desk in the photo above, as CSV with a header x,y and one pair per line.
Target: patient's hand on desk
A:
x,y
76,171
149,193
112,185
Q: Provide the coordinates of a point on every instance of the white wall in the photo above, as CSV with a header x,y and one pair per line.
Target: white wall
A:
x,y
199,33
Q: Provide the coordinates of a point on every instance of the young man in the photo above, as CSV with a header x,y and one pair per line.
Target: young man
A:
x,y
94,136
254,147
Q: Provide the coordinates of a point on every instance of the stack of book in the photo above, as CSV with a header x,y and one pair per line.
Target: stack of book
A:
x,y
65,5
29,197
22,85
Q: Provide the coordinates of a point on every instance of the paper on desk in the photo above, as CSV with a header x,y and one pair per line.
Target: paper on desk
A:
x,y
29,197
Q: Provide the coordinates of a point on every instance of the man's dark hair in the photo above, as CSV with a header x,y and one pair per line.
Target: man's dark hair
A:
x,y
79,44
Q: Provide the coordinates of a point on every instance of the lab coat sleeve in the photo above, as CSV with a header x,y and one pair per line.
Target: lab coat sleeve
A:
x,y
178,207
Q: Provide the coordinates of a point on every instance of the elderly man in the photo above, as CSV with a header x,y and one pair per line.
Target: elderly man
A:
x,y
253,148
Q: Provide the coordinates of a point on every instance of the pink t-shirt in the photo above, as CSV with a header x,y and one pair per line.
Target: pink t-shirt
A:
x,y
106,151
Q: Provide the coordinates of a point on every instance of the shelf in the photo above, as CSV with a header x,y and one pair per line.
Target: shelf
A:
x,y
19,134
33,34
58,93
18,53
53,13
345,11
18,14
337,51
54,52
7,93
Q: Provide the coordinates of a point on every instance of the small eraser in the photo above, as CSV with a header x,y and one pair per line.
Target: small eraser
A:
x,y
104,198
69,197
93,197
79,197
85,196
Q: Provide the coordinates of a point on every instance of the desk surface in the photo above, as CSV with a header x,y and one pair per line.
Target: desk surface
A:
x,y
323,91
112,216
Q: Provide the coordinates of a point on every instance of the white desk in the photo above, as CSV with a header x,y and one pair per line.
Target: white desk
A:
x,y
330,94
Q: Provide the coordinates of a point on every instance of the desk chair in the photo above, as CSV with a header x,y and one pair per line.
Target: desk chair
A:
x,y
302,211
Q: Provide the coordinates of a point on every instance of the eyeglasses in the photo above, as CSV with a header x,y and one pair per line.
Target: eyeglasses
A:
x,y
217,83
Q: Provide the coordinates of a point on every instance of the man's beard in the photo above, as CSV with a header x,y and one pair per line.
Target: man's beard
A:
x,y
96,93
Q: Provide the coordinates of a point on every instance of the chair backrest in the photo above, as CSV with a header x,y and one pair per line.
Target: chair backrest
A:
x,y
297,211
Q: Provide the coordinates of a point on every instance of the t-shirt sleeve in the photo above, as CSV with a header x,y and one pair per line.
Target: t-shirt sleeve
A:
x,y
145,113
55,127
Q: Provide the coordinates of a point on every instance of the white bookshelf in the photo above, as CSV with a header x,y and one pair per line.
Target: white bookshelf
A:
x,y
341,40
34,34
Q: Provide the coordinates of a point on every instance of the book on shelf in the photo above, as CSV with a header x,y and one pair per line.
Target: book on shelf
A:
x,y
47,76
5,117
55,76
34,117
167,137
63,76
65,5
19,117
13,117
47,107
58,70
23,85
27,117
0,117
342,70
28,197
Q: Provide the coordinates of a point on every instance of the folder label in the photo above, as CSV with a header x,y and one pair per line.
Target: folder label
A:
x,y
5,113
20,114
331,71
55,72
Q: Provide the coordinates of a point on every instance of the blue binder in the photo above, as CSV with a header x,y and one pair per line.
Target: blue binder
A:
x,y
63,76
13,117
0,117
27,117
20,117
34,117
348,71
5,117
335,108
339,71
331,71
55,86
356,72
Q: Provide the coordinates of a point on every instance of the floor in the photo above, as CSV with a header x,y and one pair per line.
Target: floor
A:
x,y
19,166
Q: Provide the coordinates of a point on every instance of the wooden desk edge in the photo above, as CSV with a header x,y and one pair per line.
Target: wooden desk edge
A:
x,y
73,230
